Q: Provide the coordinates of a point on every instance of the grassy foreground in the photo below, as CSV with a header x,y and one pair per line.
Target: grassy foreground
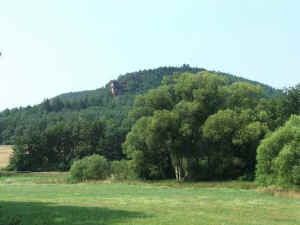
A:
x,y
40,199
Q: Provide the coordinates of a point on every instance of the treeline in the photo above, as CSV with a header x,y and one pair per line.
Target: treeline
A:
x,y
201,127
55,147
92,104
196,126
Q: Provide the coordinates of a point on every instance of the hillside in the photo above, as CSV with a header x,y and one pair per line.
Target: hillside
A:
x,y
98,103
139,82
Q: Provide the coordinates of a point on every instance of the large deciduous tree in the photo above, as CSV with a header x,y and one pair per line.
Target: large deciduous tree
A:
x,y
173,130
232,141
278,155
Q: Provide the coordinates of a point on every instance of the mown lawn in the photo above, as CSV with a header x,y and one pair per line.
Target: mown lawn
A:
x,y
38,201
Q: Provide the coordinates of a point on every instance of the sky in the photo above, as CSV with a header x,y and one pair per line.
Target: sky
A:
x,y
50,47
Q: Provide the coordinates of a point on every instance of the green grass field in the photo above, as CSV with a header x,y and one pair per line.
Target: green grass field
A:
x,y
40,199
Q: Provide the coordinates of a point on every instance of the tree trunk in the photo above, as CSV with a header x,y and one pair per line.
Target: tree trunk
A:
x,y
176,173
177,164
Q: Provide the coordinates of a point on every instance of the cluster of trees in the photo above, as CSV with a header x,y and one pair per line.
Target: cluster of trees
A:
x,y
56,147
197,125
95,103
18,122
201,127
278,156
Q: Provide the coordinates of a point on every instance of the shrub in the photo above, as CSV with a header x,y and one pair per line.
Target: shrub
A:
x,y
13,221
93,167
296,174
278,156
247,177
122,170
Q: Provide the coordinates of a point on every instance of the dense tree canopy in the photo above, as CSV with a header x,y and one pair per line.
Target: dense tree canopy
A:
x,y
196,122
93,104
278,155
56,147
191,124
233,138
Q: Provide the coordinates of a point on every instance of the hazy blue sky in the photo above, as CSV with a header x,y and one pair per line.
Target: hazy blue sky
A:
x,y
51,47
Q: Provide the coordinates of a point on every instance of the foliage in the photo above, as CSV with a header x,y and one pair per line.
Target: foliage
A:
x,y
278,155
122,170
57,146
94,167
290,104
13,221
196,124
232,141
92,104
146,163
62,124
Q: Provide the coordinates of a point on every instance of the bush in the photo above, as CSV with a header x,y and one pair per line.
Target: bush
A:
x,y
296,174
247,177
278,156
122,170
18,160
13,221
93,167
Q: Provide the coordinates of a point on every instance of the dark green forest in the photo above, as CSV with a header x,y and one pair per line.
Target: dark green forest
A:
x,y
170,122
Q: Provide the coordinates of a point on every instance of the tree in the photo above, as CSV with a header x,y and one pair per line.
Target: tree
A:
x,y
57,104
278,155
290,102
169,119
57,146
46,105
232,141
184,121
243,95
148,161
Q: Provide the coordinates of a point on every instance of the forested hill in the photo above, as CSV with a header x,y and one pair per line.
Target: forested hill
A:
x,y
97,103
141,81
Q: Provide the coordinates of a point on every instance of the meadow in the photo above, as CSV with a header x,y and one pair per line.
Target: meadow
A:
x,y
5,152
48,198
